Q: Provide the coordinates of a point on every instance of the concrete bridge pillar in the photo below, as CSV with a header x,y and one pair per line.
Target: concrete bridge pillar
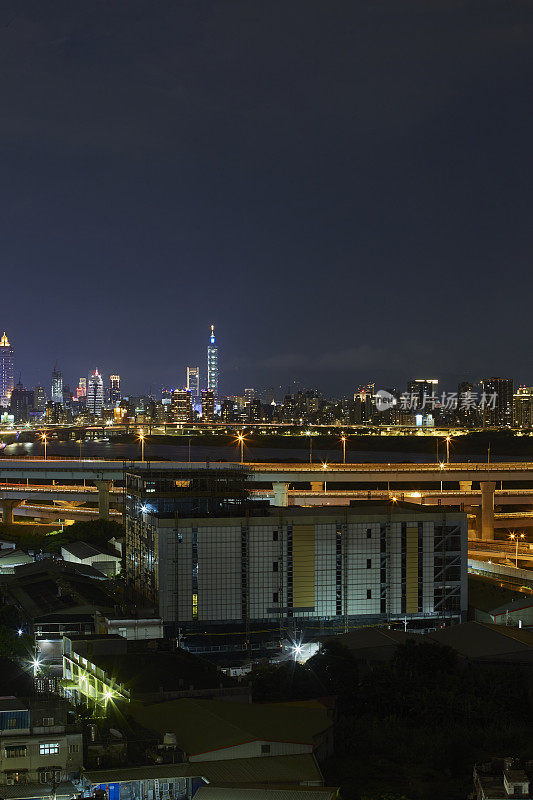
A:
x,y
281,494
317,486
487,510
7,510
465,486
478,522
103,498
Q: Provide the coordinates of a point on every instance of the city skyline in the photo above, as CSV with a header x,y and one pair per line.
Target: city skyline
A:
x,y
291,386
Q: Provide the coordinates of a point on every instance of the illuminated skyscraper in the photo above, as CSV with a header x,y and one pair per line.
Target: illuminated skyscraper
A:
x,y
497,401
57,385
81,389
212,364
208,406
114,389
6,370
95,394
181,407
39,398
193,380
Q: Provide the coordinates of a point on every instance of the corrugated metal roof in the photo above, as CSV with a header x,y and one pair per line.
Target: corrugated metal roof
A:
x,y
301,768
296,793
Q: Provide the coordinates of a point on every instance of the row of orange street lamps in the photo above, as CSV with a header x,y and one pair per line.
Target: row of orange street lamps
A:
x,y
240,439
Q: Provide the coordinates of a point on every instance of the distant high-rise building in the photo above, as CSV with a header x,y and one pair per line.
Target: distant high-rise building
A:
x,y
6,370
208,405
212,364
497,401
21,402
57,385
423,388
39,398
114,389
193,380
81,389
523,407
95,394
181,406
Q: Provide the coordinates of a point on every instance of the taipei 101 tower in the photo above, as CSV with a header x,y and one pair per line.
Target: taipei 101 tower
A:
x,y
212,364
6,370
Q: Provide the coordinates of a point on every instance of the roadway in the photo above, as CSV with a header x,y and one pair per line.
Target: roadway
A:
x,y
98,469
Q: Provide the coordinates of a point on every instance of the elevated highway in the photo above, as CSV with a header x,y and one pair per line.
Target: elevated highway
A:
x,y
98,469
324,479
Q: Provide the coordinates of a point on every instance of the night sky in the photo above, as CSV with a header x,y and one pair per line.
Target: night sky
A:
x,y
344,188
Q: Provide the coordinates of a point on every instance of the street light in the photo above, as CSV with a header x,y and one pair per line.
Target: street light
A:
x,y
240,439
513,537
141,439
441,465
343,440
448,440
43,439
324,467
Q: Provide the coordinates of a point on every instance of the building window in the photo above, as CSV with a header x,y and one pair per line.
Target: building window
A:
x,y
15,777
47,721
74,748
275,597
265,748
274,536
369,594
16,751
274,566
369,563
369,533
12,722
49,775
49,749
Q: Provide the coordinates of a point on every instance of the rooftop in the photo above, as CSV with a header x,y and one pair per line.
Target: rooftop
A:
x,y
85,550
271,770
205,725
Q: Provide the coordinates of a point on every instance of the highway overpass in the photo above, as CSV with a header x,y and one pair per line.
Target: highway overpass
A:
x,y
282,476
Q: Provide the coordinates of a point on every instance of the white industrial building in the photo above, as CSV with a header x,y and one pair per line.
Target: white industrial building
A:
x,y
298,566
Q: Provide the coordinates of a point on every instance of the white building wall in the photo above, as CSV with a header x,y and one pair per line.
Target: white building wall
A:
x,y
325,583
394,570
428,567
359,577
219,573
253,750
184,590
263,580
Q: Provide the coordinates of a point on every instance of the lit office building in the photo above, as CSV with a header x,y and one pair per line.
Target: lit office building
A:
x,y
21,403
95,394
57,386
523,407
217,565
81,389
423,391
498,402
212,364
6,370
193,380
114,389
208,406
181,406
39,398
